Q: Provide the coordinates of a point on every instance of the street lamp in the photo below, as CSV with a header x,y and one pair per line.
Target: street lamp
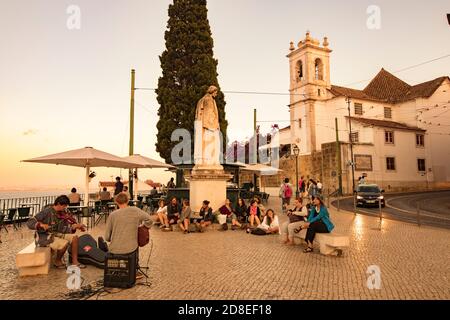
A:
x,y
296,151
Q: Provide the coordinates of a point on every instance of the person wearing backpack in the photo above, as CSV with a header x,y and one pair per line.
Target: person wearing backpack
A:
x,y
286,193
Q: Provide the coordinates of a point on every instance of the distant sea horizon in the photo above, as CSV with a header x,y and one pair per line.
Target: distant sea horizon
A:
x,y
15,194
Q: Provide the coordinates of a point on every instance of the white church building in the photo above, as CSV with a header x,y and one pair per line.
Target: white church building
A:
x,y
400,132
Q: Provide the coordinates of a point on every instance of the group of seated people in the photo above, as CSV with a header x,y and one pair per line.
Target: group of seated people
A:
x,y
250,218
314,218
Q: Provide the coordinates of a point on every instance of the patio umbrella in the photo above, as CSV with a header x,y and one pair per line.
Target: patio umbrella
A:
x,y
86,158
141,162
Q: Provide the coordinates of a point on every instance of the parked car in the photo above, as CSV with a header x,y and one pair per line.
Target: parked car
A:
x,y
369,195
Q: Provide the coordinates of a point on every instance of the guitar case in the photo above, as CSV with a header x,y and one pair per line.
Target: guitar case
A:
x,y
89,252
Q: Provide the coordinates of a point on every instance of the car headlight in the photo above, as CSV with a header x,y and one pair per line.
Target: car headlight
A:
x,y
359,197
380,198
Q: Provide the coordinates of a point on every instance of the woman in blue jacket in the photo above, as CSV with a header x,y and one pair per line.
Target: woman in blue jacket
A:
x,y
318,222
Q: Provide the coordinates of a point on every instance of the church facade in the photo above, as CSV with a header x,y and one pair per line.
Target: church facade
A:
x,y
400,133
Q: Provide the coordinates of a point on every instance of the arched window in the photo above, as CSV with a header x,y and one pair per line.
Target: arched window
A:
x,y
318,69
299,71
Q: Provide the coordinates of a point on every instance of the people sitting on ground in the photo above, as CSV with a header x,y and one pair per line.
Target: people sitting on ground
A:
x,y
74,198
162,215
297,218
206,213
241,211
185,217
118,187
261,207
173,212
171,184
104,196
318,222
286,193
270,225
229,215
56,228
253,213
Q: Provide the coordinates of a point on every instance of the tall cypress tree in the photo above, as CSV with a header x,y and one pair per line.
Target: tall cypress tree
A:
x,y
189,68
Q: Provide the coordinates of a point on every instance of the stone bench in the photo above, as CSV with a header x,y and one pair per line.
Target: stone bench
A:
x,y
32,260
330,243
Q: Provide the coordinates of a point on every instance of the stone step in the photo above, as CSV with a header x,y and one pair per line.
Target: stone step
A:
x,y
33,260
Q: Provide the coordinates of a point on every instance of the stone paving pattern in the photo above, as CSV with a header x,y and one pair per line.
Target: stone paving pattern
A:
x,y
233,265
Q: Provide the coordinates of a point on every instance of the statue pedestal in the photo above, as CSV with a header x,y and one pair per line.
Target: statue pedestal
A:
x,y
208,183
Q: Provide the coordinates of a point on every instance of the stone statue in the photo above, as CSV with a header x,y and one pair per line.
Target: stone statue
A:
x,y
207,131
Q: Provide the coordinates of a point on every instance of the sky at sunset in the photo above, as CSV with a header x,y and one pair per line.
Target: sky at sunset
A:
x,y
64,89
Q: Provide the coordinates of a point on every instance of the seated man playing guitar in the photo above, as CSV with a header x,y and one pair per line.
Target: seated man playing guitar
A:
x,y
56,228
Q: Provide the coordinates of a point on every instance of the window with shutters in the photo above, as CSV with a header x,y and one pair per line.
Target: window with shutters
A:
x,y
387,113
358,109
355,137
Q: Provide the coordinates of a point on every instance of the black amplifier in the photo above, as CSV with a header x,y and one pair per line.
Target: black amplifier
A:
x,y
120,270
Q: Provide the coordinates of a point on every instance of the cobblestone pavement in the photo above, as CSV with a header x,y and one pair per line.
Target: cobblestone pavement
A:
x,y
234,265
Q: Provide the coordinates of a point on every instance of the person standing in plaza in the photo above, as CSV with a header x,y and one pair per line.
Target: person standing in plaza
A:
x,y
171,184
319,187
301,185
118,187
286,193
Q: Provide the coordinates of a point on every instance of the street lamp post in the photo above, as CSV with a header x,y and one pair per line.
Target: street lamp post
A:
x,y
296,151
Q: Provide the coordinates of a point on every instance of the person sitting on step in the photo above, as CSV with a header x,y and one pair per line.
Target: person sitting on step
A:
x,y
185,218
227,211
318,222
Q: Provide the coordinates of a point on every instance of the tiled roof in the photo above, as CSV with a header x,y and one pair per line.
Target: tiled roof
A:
x,y
351,93
386,124
386,87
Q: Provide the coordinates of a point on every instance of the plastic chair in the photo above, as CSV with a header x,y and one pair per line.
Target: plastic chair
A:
x,y
11,217
89,214
2,222
23,214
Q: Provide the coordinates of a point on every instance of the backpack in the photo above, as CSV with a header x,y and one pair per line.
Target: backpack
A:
x,y
287,191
